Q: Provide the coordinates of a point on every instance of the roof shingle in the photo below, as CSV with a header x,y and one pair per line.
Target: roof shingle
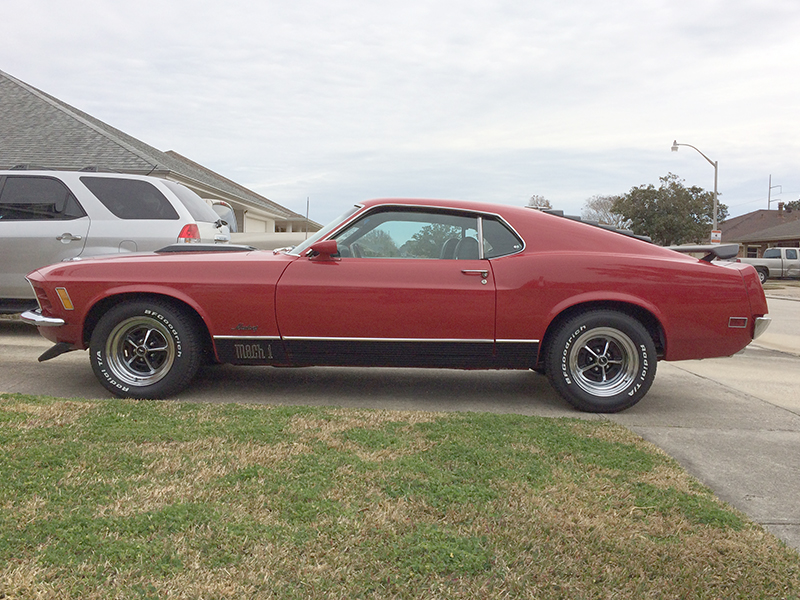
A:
x,y
41,131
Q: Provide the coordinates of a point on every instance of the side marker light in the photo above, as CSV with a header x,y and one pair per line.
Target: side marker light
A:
x,y
66,302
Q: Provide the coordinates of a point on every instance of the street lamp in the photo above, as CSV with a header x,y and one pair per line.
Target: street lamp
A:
x,y
714,164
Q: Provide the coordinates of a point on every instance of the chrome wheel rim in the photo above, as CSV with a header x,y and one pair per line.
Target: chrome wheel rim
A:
x,y
140,351
604,362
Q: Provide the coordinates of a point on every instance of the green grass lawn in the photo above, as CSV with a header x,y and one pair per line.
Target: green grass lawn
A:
x,y
124,499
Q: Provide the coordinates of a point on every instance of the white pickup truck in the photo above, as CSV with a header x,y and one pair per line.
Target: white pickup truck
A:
x,y
776,262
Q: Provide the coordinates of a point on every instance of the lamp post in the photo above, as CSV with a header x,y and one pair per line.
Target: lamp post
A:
x,y
714,164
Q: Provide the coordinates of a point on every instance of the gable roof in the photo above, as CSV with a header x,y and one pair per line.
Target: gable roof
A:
x,y
780,233
41,131
744,226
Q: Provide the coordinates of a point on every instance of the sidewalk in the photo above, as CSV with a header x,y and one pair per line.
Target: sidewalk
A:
x,y
784,289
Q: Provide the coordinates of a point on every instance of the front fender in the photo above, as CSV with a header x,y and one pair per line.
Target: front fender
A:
x,y
102,300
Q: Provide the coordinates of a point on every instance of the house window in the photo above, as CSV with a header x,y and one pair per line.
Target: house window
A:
x,y
752,252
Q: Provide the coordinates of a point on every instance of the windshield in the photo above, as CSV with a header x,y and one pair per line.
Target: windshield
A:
x,y
324,232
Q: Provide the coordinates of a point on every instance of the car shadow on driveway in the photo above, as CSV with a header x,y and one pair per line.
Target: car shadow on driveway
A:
x,y
519,392
71,376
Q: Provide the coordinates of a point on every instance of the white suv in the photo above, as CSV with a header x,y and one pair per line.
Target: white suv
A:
x,y
50,216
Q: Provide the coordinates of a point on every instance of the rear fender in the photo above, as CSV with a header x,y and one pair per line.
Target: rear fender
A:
x,y
645,312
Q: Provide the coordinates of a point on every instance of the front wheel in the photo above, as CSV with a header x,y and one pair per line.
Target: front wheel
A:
x,y
145,349
601,361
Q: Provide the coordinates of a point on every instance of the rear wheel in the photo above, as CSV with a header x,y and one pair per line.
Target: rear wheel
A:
x,y
601,361
763,275
145,349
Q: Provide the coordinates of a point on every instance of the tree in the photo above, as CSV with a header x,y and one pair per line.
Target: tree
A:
x,y
671,214
790,206
537,201
601,209
378,243
428,241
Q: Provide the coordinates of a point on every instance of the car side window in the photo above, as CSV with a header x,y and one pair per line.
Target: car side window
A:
x,y
411,234
772,253
37,199
791,254
131,198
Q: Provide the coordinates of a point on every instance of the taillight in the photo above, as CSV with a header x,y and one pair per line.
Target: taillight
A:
x,y
190,234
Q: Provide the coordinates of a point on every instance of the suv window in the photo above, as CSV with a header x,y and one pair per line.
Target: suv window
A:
x,y
196,206
131,198
37,199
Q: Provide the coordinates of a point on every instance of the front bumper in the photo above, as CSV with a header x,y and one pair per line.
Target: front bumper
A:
x,y
37,319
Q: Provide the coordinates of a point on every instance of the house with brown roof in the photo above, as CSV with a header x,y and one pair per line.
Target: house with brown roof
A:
x,y
40,131
762,229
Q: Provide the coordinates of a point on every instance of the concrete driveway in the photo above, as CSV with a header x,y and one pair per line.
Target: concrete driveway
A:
x,y
734,423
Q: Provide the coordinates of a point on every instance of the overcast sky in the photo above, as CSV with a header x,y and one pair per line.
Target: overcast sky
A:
x,y
338,101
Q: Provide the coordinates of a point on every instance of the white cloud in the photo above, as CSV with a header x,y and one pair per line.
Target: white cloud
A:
x,y
497,100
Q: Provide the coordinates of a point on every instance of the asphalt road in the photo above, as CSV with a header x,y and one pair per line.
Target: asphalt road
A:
x,y
734,423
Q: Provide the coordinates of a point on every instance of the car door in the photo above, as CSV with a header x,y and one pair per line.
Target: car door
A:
x,y
409,288
41,223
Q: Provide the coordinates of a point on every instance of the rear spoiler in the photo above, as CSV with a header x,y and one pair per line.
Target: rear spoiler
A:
x,y
711,251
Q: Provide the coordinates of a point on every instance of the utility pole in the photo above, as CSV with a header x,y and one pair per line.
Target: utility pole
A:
x,y
769,193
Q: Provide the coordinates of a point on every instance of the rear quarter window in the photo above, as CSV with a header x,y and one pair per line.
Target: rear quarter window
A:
x,y
131,198
196,206
498,240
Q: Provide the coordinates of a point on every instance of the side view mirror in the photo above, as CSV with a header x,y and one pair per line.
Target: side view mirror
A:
x,y
325,250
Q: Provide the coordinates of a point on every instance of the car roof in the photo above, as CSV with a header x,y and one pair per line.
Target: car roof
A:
x,y
549,229
487,207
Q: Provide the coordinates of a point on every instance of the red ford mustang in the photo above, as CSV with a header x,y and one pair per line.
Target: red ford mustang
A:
x,y
408,283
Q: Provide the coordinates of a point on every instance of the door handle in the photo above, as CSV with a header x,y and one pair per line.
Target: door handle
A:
x,y
66,238
482,272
